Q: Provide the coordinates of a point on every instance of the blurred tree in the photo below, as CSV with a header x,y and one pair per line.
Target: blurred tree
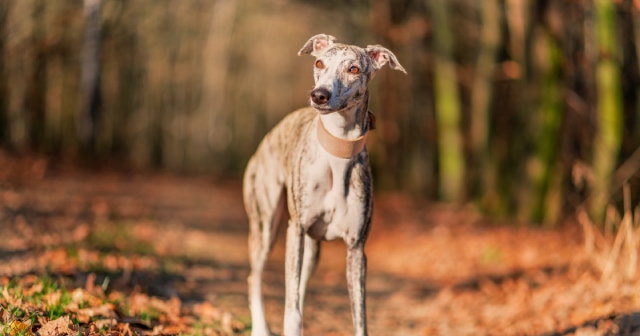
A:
x,y
388,157
634,9
543,168
90,97
447,100
4,94
609,131
214,126
35,95
482,173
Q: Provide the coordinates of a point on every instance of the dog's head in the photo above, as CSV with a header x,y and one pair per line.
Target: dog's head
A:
x,y
342,72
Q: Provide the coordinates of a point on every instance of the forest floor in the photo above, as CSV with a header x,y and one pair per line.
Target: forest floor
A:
x,y
114,251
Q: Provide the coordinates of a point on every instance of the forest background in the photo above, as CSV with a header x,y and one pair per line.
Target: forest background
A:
x,y
526,109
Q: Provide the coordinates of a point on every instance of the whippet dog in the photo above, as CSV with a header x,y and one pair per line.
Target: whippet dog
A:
x,y
315,164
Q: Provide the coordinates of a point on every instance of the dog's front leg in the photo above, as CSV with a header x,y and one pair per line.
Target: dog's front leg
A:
x,y
356,276
295,250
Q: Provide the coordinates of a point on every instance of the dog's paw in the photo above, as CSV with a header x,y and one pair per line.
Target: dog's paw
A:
x,y
292,324
259,327
260,332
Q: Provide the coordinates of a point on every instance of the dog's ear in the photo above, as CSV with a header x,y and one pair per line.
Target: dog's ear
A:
x,y
316,44
381,55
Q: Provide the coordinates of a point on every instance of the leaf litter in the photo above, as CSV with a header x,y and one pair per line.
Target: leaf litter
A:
x,y
109,252
35,305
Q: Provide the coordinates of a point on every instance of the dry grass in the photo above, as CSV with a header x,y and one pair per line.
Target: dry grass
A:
x,y
613,249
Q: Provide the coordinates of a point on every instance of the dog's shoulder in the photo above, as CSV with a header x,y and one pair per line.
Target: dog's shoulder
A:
x,y
284,138
298,118
290,129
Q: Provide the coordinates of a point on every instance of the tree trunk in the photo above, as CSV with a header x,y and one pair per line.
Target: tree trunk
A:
x,y
483,177
4,94
213,136
90,85
635,16
542,165
608,136
35,95
447,101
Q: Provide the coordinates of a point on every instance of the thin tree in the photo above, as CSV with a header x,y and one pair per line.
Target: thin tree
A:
x,y
447,101
608,136
90,97
35,95
484,175
4,94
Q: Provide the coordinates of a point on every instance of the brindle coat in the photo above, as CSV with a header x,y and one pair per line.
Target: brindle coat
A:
x,y
327,197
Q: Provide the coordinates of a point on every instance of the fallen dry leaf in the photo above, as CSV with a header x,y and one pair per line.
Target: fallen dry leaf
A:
x,y
77,295
90,283
53,298
126,330
56,327
36,288
105,310
207,312
138,302
20,328
227,322
10,299
168,330
106,323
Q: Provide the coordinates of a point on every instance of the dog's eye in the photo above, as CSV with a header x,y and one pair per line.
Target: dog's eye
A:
x,y
354,70
319,64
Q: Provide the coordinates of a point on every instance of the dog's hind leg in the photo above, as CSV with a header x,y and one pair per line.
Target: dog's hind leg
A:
x,y
265,207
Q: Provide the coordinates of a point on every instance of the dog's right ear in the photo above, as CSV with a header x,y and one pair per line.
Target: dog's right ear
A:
x,y
381,56
317,44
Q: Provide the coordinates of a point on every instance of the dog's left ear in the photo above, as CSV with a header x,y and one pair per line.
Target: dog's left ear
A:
x,y
317,44
381,55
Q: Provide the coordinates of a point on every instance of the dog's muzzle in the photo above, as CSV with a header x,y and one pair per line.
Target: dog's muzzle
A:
x,y
320,96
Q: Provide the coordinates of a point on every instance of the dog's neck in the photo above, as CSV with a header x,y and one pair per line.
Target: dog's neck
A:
x,y
350,123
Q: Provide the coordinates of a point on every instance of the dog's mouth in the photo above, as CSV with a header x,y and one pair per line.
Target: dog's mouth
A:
x,y
322,108
326,109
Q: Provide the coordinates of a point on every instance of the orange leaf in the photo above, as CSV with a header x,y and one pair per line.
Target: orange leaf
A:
x,y
207,312
20,328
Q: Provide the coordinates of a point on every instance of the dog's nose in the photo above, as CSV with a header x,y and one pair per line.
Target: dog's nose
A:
x,y
320,96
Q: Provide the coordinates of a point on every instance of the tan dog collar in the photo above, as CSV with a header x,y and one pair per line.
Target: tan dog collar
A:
x,y
342,148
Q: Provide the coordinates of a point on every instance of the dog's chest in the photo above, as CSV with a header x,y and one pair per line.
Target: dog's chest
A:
x,y
335,198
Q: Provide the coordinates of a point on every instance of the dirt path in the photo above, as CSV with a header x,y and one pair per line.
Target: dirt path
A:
x,y
432,269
